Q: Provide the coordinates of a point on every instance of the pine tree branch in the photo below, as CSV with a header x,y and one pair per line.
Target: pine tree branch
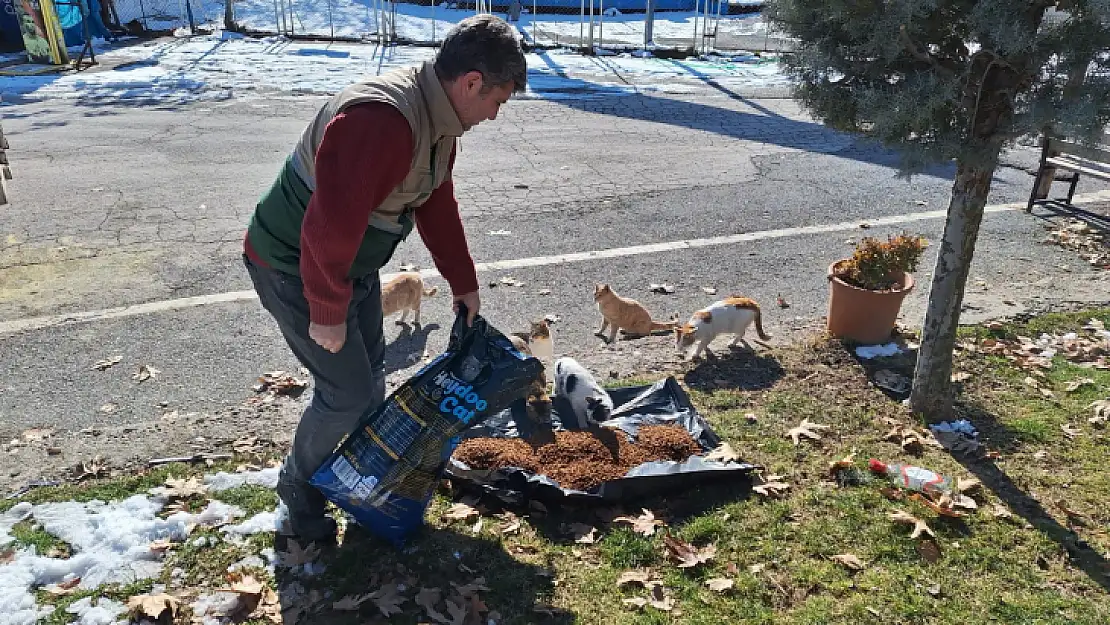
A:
x,y
921,55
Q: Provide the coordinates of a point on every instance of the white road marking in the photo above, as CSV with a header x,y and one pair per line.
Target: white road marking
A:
x,y
47,321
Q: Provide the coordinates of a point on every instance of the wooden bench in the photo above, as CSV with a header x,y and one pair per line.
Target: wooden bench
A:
x,y
1078,159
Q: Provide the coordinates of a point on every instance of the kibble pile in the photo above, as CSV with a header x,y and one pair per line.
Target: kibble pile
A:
x,y
581,460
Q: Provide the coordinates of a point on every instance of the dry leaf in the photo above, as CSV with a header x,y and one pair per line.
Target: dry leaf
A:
x,y
708,290
688,555
723,453
968,485
849,561
184,488
60,589
1071,431
457,609
92,469
583,534
475,608
35,435
645,524
928,549
296,556
756,569
461,512
161,545
477,529
1102,412
510,281
145,373
659,599
351,602
107,363
634,577
905,518
1075,385
428,599
151,606
662,289
479,584
719,584
846,462
636,602
773,487
1000,511
510,523
806,429
961,376
388,599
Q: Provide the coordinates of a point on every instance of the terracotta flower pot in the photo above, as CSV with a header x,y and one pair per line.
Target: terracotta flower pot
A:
x,y
861,315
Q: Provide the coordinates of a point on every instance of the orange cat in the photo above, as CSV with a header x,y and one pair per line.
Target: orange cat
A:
x,y
538,402
403,293
731,315
622,313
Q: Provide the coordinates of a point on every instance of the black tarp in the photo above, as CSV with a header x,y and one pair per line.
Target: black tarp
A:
x,y
661,403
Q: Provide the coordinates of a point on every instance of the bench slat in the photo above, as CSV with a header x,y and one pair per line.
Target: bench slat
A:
x,y
1091,153
1076,166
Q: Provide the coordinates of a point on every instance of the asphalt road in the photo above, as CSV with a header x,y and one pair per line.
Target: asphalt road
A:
x,y
119,205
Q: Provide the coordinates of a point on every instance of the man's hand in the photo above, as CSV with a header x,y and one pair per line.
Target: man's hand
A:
x,y
330,338
472,303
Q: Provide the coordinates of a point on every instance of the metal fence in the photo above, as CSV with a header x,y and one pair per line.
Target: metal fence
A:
x,y
704,25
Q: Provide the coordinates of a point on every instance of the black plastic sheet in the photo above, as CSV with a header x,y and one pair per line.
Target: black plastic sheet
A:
x,y
662,403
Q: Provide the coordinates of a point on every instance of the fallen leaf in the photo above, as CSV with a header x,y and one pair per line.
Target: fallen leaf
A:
x,y
583,534
107,363
510,281
968,485
161,546
933,590
662,289
499,233
688,555
152,606
296,555
108,408
756,569
457,610
184,488
1001,512
1102,412
510,523
893,494
659,599
723,453
634,577
644,525
847,462
92,469
1071,431
478,584
807,429
1075,385
636,602
905,518
719,584
961,376
388,599
475,608
772,487
60,589
477,529
849,561
708,290
942,507
928,549
543,292
144,373
461,512
35,435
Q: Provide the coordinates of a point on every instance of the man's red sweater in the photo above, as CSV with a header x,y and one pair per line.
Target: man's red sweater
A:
x,y
365,154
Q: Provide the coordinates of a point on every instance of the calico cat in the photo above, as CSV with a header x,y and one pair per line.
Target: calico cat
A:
x,y
731,315
591,403
628,315
403,293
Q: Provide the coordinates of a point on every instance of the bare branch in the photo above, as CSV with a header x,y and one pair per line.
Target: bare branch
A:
x,y
920,54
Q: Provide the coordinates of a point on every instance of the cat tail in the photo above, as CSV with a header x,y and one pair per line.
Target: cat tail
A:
x,y
430,292
665,325
759,325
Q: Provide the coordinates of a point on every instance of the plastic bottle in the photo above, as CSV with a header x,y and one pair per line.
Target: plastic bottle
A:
x,y
914,478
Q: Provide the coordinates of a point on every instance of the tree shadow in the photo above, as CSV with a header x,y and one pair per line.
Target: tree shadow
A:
x,y
1060,208
432,558
408,347
1081,554
735,370
760,125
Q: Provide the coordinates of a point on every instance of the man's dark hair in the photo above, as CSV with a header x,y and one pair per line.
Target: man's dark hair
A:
x,y
487,44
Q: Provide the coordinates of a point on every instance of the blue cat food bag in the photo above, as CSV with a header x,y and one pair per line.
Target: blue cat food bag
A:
x,y
385,472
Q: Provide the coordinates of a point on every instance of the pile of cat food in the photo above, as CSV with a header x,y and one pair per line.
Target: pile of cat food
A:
x,y
581,460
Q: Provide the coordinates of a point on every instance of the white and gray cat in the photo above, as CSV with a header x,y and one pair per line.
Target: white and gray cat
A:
x,y
591,403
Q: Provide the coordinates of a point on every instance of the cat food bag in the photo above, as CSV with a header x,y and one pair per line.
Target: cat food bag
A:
x,y
385,472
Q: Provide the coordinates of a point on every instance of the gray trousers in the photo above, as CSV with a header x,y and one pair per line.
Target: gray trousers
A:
x,y
346,385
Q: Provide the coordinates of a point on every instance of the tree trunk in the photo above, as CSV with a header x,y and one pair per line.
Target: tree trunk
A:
x,y
932,395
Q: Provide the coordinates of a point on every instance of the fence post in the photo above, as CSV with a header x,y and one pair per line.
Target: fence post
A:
x,y
649,23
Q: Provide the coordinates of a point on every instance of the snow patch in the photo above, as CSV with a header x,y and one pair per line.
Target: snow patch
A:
x,y
266,478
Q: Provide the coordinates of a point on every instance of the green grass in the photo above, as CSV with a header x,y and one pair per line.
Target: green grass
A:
x,y
1036,566
30,534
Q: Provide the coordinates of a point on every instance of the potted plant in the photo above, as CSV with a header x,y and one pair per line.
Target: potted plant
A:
x,y
866,290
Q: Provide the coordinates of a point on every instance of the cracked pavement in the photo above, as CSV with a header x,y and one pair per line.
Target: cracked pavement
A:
x,y
132,203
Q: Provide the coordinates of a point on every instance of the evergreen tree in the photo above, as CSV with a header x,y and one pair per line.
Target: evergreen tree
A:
x,y
951,80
